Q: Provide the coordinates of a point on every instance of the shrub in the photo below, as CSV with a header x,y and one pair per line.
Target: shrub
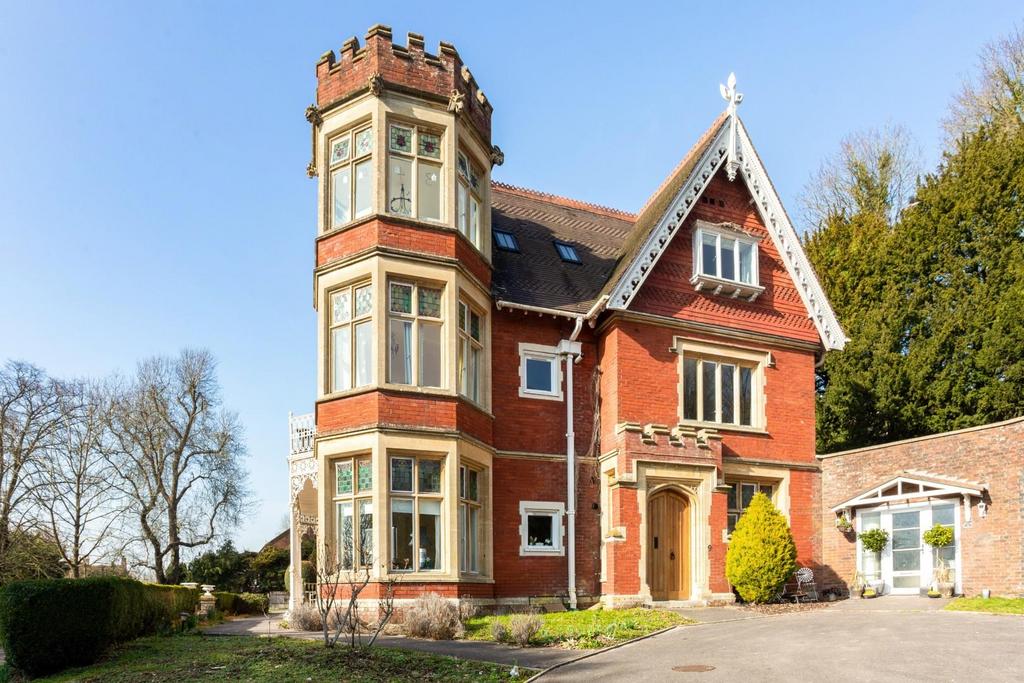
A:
x,y
874,540
939,536
431,616
241,603
523,627
49,625
499,632
255,603
761,555
305,617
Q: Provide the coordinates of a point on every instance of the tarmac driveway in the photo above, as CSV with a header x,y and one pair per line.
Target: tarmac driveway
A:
x,y
821,645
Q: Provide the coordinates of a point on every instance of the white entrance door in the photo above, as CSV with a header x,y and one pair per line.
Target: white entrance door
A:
x,y
906,566
906,552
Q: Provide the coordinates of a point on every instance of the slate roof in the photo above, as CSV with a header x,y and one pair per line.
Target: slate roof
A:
x,y
606,240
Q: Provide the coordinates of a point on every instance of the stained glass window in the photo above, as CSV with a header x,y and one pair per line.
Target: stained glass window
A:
x,y
401,298
430,302
463,165
341,306
430,145
365,475
401,474
364,300
429,476
340,149
344,473
401,139
462,316
474,326
364,142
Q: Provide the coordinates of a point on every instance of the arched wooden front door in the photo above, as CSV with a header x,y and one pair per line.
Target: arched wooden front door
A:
x,y
668,542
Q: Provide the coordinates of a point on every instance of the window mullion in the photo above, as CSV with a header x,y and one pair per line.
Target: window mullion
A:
x,y
718,255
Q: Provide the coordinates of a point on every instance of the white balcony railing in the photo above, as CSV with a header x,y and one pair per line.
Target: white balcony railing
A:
x,y
301,430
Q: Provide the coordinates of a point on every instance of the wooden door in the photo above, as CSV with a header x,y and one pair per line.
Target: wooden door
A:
x,y
668,542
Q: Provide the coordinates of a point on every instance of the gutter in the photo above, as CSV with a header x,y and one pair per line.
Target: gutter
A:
x,y
572,351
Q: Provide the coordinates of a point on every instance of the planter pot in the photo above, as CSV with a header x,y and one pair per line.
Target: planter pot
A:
x,y
986,593
934,594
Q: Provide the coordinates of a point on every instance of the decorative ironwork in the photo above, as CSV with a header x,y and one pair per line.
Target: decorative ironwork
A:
x,y
301,430
300,472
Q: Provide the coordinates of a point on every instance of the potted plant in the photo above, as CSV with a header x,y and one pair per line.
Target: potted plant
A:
x,y
939,537
874,541
844,524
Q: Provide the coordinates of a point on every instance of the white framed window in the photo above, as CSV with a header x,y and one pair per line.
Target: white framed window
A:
x,y
416,501
415,334
351,336
415,176
725,260
470,516
740,495
350,159
540,528
721,385
468,202
471,352
540,372
353,504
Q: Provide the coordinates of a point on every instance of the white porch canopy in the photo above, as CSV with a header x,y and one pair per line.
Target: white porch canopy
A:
x,y
909,485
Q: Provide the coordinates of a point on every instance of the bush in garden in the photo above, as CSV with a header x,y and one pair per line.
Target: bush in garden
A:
x,y
523,627
499,632
431,616
761,555
241,603
305,617
49,625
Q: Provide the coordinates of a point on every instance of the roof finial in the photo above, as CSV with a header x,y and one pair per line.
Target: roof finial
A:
x,y
730,95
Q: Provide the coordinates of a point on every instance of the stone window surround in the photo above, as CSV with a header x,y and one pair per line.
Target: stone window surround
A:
x,y
688,347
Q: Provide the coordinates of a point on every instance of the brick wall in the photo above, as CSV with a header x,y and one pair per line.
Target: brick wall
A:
x,y
992,548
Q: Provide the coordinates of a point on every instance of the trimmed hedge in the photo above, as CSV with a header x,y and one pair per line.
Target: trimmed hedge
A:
x,y
50,625
241,603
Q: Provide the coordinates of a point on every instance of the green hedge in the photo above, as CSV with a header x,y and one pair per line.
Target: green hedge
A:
x,y
241,603
49,625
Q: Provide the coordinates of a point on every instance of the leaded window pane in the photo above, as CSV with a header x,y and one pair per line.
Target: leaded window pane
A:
x,y
400,351
463,165
430,145
364,142
728,377
429,476
429,302
340,150
400,186
364,299
746,395
346,539
344,474
401,139
428,192
689,388
709,390
365,475
747,492
341,306
474,326
341,194
474,485
462,316
400,298
401,474
365,532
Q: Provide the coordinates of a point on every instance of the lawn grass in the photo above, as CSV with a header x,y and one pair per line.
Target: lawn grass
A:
x,y
173,659
991,605
586,629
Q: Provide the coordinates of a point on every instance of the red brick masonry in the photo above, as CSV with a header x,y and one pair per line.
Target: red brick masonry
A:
x,y
992,547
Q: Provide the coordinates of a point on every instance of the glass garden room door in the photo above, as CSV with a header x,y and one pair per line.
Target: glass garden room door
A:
x,y
906,565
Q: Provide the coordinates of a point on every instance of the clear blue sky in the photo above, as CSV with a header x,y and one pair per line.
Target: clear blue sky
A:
x,y
152,170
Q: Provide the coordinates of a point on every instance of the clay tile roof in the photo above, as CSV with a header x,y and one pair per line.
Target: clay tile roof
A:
x,y
606,239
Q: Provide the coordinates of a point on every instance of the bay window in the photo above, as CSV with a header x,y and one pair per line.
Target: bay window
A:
x,y
725,261
354,508
470,512
471,352
351,336
414,172
467,218
351,173
415,504
415,341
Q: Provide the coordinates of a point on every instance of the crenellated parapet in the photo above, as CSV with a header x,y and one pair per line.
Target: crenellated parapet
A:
x,y
380,65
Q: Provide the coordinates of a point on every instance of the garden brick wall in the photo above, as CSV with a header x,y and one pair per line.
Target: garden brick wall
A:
x,y
992,549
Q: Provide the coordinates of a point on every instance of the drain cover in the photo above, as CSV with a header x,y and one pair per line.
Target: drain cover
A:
x,y
693,668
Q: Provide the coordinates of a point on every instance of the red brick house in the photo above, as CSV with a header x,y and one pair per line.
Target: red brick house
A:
x,y
527,397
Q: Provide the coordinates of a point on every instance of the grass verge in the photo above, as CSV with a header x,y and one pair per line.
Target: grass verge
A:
x,y
172,659
586,629
991,605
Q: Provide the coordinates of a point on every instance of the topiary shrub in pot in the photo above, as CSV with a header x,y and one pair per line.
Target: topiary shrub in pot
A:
x,y
939,537
874,541
761,555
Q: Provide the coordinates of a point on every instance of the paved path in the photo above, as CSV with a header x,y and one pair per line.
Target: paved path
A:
x,y
533,657
890,641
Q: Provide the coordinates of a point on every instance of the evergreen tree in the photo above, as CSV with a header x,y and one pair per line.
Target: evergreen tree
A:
x,y
761,555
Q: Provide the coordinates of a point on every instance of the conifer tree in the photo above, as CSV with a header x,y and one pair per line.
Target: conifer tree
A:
x,y
761,555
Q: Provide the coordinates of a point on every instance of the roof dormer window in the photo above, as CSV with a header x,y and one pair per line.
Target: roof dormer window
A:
x,y
505,241
567,252
725,261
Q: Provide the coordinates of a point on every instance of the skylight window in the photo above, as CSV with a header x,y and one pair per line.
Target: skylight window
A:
x,y
567,252
506,241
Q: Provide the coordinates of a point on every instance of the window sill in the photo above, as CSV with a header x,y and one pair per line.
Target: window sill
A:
x,y
729,288
536,552
543,397
721,427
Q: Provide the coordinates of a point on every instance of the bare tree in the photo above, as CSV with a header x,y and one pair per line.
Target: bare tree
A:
x,y
994,94
29,418
77,503
178,456
874,170
337,600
